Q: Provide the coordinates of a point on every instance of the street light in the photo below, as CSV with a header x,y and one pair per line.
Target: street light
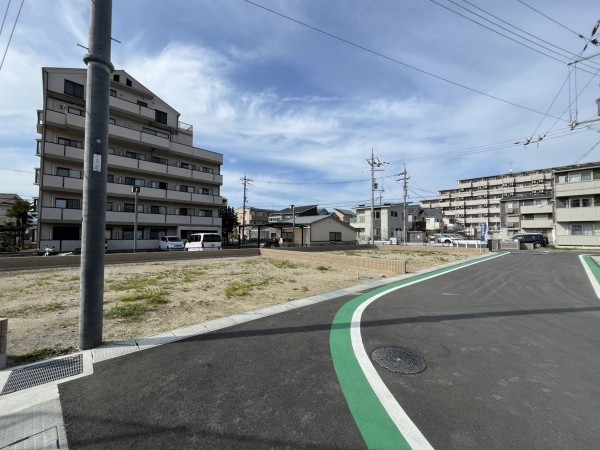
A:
x,y
136,191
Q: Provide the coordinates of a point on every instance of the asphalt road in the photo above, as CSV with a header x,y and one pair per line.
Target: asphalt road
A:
x,y
511,346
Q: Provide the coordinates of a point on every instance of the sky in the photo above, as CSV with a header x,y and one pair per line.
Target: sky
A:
x,y
297,94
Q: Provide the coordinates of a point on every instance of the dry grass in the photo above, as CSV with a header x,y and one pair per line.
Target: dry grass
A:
x,y
145,299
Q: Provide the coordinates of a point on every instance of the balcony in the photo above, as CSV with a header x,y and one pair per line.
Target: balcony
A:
x,y
578,240
50,214
196,153
589,214
536,224
543,209
63,120
580,189
62,152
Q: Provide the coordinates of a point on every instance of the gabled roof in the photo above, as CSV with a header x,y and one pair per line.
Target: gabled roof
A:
x,y
297,209
346,212
307,221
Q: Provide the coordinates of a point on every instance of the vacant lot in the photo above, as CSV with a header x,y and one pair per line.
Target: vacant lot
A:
x,y
144,299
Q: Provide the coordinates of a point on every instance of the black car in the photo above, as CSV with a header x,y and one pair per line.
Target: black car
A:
x,y
538,240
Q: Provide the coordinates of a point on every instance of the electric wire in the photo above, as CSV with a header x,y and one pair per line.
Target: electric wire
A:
x,y
551,19
389,58
11,35
503,35
5,14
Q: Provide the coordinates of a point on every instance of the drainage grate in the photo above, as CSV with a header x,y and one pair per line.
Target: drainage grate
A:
x,y
43,373
399,360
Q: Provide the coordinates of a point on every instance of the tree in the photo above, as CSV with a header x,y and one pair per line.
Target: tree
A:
x,y
229,221
20,212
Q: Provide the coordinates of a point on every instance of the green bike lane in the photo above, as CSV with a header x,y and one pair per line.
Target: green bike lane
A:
x,y
276,382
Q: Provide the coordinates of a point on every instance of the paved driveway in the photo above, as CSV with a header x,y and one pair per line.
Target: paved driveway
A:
x,y
511,346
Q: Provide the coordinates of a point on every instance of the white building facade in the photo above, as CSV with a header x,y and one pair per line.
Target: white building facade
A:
x,y
149,150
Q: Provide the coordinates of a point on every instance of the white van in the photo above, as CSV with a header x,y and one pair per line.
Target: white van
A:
x,y
199,242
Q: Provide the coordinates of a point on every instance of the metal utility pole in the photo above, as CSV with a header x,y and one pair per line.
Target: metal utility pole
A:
x,y
293,208
373,162
93,231
404,179
246,182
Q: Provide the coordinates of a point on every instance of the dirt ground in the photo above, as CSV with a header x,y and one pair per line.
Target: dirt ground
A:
x,y
148,298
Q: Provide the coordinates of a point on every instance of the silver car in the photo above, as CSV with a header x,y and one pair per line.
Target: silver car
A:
x,y
168,243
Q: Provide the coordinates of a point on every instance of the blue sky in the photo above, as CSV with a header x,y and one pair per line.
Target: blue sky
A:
x,y
299,111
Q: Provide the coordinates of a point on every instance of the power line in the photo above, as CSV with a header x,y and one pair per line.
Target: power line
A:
x,y
551,19
11,34
389,58
504,28
5,14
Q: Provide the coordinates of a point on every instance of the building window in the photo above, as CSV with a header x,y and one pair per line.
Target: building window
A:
x,y
128,234
377,214
128,82
185,212
109,206
205,213
207,191
576,177
67,203
158,160
157,233
116,77
130,207
70,142
76,111
160,116
135,155
187,166
74,89
141,103
112,121
69,173
113,93
394,213
585,229
158,185
135,182
335,236
158,209
208,170
110,150
157,133
184,188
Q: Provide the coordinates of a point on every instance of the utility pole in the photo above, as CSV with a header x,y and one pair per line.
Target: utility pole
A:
x,y
374,163
404,179
93,231
136,192
246,182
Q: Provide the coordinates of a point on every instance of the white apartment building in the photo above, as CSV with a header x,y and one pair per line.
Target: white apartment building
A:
x,y
388,221
477,200
149,150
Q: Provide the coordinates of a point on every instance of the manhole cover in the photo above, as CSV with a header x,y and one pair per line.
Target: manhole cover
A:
x,y
43,373
399,360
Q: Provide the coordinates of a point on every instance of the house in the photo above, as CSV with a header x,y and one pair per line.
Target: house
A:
x,y
576,204
345,215
156,177
308,231
298,211
6,202
388,220
253,219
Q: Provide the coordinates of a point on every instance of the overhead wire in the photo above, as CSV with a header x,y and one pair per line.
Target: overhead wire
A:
x,y
501,34
11,35
551,19
395,60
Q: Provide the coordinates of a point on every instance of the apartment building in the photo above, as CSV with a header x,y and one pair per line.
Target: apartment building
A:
x,y
576,204
477,200
152,166
527,214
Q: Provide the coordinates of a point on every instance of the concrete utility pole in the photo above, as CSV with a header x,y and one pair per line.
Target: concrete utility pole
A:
x,y
93,231
136,193
293,208
246,182
373,162
404,179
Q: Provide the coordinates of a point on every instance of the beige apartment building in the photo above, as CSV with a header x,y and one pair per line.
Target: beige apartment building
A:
x,y
477,200
563,203
577,205
149,151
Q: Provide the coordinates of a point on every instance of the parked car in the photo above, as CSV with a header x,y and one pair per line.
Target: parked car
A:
x,y
538,240
446,238
269,243
168,243
200,242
